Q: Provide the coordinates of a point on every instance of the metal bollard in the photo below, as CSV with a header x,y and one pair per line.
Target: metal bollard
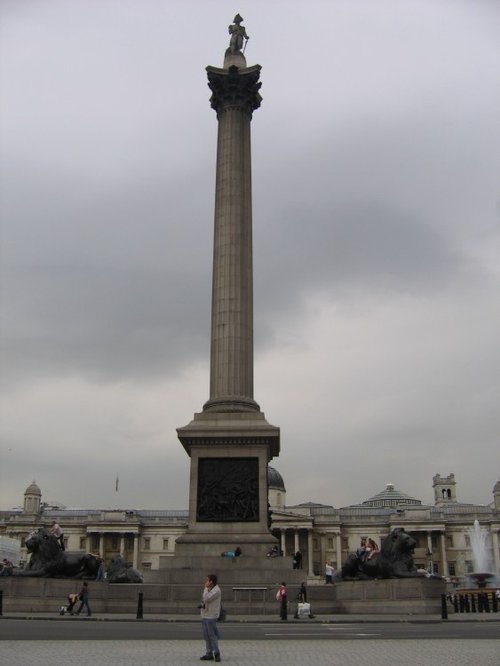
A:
x,y
473,603
139,615
494,602
444,609
462,603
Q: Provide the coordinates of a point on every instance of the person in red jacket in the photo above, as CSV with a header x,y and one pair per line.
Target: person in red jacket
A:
x,y
281,596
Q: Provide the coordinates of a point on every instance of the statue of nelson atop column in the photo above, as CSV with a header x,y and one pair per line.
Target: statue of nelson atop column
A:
x,y
238,34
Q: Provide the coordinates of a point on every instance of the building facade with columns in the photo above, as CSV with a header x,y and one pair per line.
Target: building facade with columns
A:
x,y
320,532
442,530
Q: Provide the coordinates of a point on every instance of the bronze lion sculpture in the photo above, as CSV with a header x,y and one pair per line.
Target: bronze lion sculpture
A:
x,y
49,560
394,560
119,572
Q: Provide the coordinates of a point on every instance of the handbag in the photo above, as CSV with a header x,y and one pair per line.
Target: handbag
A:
x,y
304,609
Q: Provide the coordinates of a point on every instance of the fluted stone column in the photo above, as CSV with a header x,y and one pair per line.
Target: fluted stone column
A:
x,y
338,549
310,553
135,562
430,557
444,560
230,442
283,541
234,97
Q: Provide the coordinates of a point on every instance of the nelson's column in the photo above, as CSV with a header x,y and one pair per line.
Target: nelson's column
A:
x,y
230,442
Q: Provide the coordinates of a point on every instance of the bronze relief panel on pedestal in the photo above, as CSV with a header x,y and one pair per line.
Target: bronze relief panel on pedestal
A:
x,y
228,490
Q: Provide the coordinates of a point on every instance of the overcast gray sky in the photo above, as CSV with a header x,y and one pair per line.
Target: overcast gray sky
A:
x,y
376,164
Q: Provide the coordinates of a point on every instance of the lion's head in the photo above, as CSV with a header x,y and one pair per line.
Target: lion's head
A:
x,y
398,545
43,547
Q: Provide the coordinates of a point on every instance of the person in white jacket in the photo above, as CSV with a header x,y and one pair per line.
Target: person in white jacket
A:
x,y
210,611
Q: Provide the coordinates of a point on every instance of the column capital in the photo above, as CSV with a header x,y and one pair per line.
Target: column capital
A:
x,y
234,88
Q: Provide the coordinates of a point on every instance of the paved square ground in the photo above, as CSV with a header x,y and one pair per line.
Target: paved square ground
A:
x,y
449,652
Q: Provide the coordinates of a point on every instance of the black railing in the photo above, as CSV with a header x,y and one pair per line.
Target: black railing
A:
x,y
480,601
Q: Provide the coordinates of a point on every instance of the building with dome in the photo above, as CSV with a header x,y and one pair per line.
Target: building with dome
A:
x,y
32,499
320,532
324,533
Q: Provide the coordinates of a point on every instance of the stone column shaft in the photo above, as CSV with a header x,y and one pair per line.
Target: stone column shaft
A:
x,y
135,562
283,542
430,557
496,554
443,554
235,96
338,549
310,556
231,358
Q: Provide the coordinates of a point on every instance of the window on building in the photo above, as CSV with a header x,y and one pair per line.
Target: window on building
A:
x,y
452,569
449,541
83,543
467,540
65,541
23,542
435,568
114,543
146,565
315,544
469,566
147,543
165,544
329,543
278,499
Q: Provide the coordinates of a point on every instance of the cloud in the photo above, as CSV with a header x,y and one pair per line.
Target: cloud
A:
x,y
376,216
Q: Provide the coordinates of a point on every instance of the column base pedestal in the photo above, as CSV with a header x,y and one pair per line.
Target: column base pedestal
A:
x,y
228,493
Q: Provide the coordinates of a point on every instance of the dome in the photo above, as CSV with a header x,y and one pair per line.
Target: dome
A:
x,y
33,489
496,487
390,497
274,479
